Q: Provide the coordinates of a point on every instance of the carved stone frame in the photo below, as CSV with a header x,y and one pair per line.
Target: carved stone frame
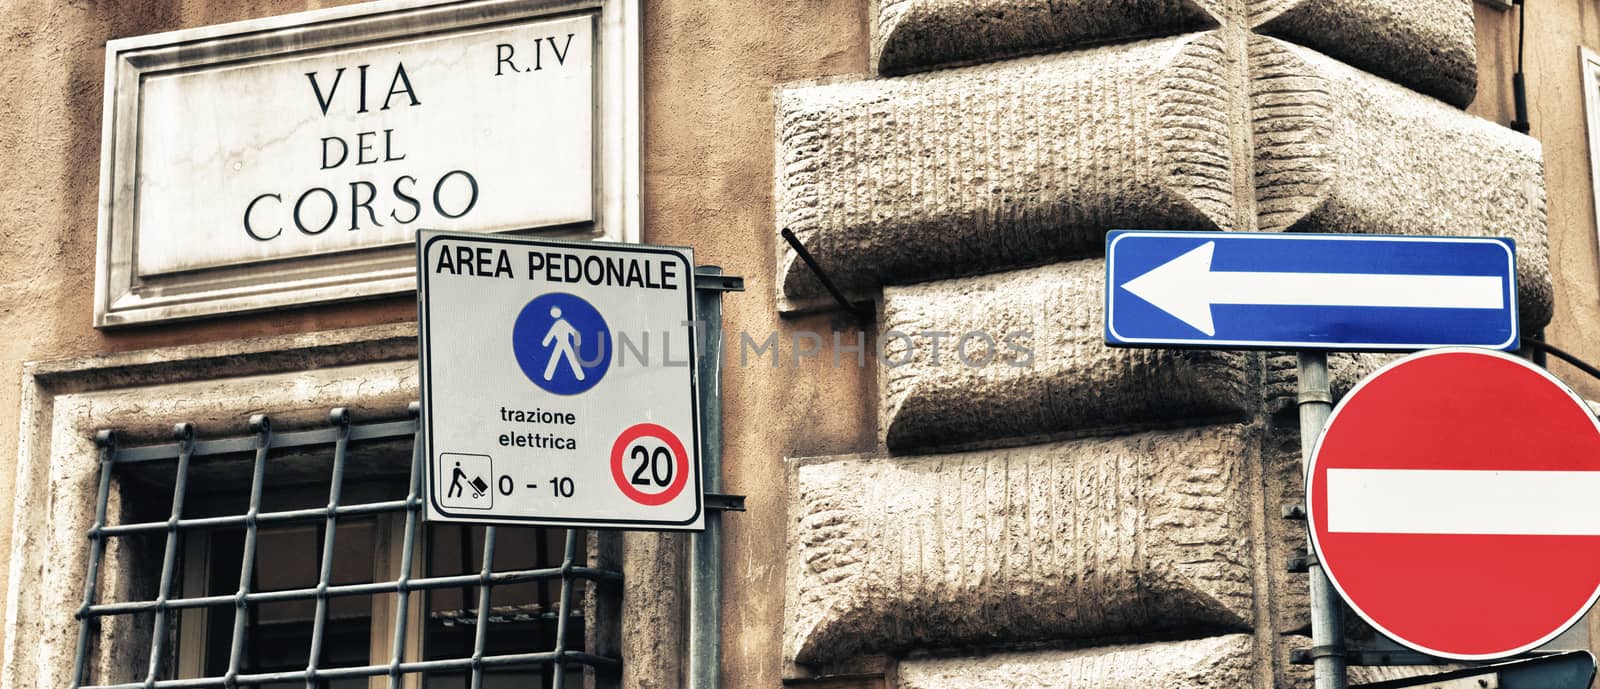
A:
x,y
297,379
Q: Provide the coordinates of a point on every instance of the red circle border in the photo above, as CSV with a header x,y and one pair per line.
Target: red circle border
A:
x,y
1313,526
658,432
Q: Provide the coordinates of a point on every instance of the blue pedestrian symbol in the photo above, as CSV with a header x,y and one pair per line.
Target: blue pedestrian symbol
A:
x,y
562,343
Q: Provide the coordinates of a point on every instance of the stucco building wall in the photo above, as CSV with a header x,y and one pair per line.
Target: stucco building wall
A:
x,y
1554,31
708,72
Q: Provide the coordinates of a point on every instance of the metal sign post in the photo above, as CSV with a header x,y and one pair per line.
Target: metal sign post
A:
x,y
1327,618
705,583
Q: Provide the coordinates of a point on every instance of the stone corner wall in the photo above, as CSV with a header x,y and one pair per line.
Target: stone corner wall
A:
x,y
1077,515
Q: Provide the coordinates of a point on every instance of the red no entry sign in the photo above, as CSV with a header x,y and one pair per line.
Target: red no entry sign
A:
x,y
1454,501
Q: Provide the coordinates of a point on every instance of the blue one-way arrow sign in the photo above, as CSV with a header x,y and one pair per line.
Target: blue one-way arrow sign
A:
x,y
1309,291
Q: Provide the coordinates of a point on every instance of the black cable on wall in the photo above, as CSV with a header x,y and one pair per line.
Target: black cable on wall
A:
x,y
1519,88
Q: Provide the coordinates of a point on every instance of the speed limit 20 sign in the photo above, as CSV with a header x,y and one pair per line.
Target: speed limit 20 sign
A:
x,y
558,382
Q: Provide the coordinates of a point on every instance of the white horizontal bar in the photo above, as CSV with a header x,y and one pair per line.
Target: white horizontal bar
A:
x,y
1358,289
1438,501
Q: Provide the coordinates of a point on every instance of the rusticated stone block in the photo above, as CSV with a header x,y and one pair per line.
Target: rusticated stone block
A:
x,y
1213,663
913,35
1005,165
1345,369
1025,356
1428,45
1338,150
1282,471
1133,534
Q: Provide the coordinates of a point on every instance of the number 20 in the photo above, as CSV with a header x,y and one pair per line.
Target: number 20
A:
x,y
659,463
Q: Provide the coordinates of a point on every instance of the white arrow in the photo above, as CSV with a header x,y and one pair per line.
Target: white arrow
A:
x,y
1186,287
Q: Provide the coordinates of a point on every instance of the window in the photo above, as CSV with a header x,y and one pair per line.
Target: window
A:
x,y
300,560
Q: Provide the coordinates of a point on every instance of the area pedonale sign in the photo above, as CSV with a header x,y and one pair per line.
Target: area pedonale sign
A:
x,y
539,407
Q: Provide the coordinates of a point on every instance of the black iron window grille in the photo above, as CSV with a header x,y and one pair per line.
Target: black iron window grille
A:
x,y
519,617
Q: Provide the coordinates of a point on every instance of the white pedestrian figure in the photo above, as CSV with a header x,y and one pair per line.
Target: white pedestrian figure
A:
x,y
567,340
